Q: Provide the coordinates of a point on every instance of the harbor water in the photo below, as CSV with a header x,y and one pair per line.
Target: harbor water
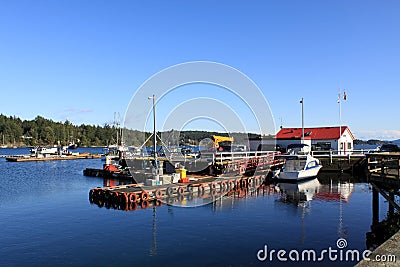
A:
x,y
46,220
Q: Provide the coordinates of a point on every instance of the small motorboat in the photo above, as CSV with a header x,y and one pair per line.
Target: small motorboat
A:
x,y
299,164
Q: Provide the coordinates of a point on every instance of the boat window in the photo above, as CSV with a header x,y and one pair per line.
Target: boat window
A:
x,y
295,165
311,164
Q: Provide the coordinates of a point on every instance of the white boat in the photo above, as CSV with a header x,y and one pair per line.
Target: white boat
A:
x,y
43,150
299,167
72,145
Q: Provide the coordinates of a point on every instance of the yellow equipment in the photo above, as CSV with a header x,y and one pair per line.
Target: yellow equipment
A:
x,y
219,139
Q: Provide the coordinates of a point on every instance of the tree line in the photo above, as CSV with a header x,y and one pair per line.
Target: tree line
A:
x,y
42,131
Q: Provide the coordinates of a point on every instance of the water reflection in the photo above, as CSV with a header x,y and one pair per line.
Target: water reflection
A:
x,y
383,230
303,192
298,193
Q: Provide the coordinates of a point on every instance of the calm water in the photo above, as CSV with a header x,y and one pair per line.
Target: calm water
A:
x,y
47,220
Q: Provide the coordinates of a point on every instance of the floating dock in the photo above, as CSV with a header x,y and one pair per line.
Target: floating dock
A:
x,y
133,196
26,158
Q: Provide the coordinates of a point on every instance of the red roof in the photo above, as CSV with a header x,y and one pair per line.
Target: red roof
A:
x,y
312,133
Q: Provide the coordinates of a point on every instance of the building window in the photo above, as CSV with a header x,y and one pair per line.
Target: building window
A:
x,y
321,146
341,145
348,145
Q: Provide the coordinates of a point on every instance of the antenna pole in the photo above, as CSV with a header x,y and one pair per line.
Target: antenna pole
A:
x,y
302,118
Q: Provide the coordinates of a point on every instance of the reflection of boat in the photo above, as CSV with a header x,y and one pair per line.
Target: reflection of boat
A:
x,y
299,167
300,192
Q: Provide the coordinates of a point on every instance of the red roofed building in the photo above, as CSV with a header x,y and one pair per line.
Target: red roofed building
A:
x,y
320,138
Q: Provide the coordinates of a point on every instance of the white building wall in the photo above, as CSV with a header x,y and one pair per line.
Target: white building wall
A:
x,y
347,143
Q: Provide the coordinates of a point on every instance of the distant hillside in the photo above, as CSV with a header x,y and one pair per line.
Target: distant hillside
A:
x,y
41,131
375,142
397,142
369,142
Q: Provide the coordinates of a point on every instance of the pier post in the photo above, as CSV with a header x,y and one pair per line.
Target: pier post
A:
x,y
391,207
375,206
398,169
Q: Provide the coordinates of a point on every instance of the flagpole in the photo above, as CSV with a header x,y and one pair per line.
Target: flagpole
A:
x,y
340,123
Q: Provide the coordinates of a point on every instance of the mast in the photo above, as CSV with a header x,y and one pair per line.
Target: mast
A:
x,y
154,128
302,119
116,127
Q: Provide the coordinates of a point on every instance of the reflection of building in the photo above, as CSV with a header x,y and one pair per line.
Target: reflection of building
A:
x,y
321,138
335,191
313,190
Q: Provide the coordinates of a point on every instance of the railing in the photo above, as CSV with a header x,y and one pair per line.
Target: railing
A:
x,y
384,164
342,153
243,155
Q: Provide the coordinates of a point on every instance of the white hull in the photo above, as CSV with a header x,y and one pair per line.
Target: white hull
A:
x,y
299,175
44,150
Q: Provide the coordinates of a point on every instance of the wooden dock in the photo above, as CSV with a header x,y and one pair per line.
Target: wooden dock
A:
x,y
384,165
334,161
133,196
27,158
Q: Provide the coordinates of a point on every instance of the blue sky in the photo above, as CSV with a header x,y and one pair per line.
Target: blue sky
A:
x,y
84,60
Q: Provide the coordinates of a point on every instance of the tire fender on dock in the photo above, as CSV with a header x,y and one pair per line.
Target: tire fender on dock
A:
x,y
200,190
158,194
170,191
212,186
180,190
144,196
189,188
133,198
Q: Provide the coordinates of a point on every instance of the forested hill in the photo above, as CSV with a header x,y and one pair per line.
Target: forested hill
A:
x,y
41,131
